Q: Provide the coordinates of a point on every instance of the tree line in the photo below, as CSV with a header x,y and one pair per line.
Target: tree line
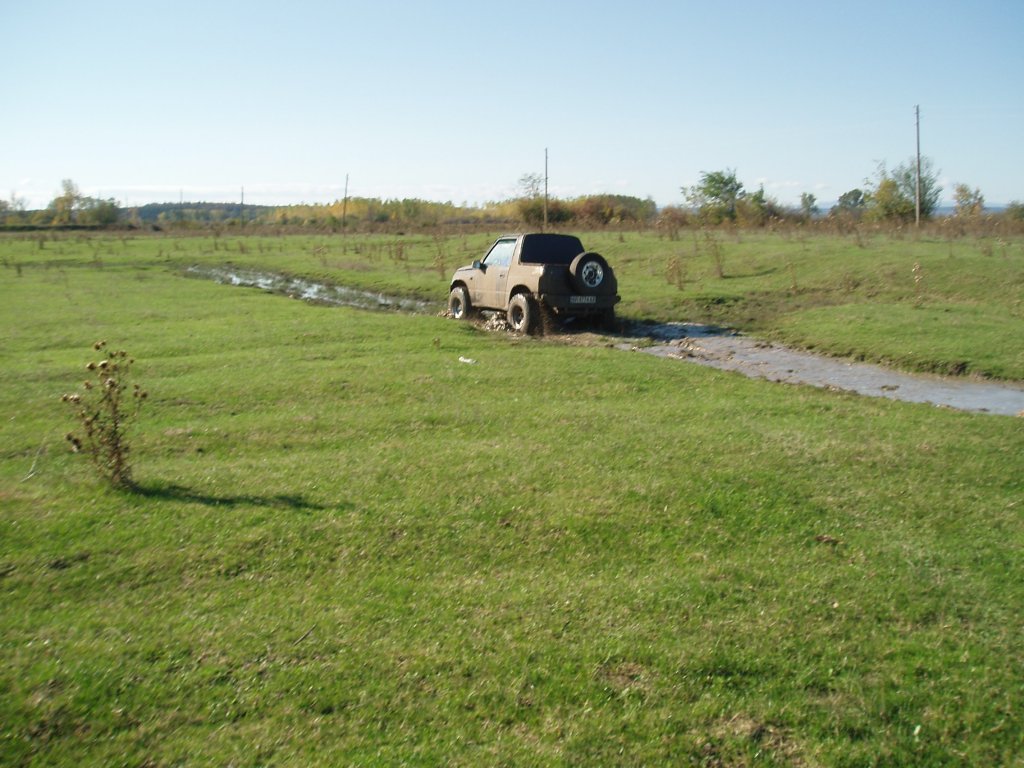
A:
x,y
72,209
890,196
69,208
718,198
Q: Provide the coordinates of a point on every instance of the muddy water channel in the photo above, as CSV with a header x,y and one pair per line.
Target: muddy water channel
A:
x,y
691,342
307,290
730,351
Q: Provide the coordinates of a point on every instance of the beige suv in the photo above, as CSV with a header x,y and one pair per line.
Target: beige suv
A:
x,y
530,275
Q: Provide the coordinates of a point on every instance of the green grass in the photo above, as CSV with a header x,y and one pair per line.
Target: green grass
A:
x,y
349,547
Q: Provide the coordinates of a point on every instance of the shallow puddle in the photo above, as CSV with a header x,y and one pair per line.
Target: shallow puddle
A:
x,y
729,351
692,342
307,290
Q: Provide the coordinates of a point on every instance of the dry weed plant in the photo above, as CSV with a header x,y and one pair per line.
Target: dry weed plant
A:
x,y
104,410
675,272
320,252
714,248
439,262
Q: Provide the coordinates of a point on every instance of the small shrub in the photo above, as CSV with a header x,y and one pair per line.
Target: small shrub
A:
x,y
103,411
320,251
439,265
714,249
918,284
675,272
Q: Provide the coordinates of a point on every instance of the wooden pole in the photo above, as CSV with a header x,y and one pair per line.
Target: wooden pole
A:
x,y
344,205
545,189
917,186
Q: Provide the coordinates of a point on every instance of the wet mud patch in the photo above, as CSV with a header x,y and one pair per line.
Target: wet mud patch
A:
x,y
730,351
311,291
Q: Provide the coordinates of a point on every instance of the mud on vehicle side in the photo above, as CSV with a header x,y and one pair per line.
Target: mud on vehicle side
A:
x,y
530,275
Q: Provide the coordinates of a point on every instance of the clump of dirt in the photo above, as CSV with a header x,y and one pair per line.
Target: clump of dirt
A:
x,y
778,742
624,676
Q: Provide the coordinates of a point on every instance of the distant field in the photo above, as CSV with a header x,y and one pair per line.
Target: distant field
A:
x,y
350,547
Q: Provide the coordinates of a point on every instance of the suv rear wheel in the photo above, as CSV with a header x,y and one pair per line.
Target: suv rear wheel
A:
x,y
522,313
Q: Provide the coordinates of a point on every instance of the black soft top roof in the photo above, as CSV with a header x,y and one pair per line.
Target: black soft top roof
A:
x,y
550,249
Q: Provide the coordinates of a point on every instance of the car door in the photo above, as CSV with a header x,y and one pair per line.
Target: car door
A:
x,y
493,277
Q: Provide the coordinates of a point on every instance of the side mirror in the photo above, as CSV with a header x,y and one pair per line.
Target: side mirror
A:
x,y
478,264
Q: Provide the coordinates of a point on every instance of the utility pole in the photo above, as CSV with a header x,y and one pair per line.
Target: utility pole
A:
x,y
917,185
344,205
241,210
545,189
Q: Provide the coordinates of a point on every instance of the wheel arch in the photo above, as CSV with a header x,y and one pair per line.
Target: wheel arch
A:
x,y
518,288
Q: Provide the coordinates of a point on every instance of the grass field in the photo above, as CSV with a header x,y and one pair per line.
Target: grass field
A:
x,y
349,547
928,303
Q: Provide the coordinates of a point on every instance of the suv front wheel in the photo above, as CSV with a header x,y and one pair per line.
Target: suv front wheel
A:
x,y
458,303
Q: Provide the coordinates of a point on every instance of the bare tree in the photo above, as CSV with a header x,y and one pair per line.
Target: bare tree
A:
x,y
531,185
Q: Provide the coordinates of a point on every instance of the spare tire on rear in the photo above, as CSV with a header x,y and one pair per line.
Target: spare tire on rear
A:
x,y
588,272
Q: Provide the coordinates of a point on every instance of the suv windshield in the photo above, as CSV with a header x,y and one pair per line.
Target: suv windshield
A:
x,y
550,249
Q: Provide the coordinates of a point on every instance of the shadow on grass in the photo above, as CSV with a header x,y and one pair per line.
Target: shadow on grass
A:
x,y
752,273
181,493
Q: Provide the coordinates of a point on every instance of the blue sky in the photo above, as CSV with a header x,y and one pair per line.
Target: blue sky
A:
x,y
456,100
